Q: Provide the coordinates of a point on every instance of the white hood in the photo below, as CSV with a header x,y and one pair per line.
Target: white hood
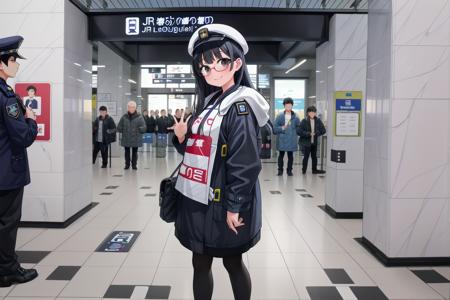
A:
x,y
258,103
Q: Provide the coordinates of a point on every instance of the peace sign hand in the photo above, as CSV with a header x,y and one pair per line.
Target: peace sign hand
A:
x,y
180,128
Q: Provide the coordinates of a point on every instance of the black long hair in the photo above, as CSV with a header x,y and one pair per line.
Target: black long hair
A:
x,y
208,52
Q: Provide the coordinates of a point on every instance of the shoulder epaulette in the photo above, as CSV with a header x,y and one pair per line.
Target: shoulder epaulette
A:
x,y
6,90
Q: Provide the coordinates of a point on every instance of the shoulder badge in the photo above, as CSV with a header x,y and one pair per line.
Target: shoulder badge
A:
x,y
242,108
6,90
13,110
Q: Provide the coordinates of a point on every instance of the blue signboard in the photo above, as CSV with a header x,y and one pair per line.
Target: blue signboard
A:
x,y
348,105
147,138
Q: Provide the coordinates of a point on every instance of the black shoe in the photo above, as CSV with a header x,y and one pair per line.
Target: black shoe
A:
x,y
126,167
289,173
303,171
104,166
134,168
280,173
318,172
21,275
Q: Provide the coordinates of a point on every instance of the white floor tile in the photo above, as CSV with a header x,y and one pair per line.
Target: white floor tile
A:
x,y
40,287
401,283
135,276
105,259
90,282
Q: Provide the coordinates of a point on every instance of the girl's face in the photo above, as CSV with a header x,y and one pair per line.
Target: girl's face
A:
x,y
220,72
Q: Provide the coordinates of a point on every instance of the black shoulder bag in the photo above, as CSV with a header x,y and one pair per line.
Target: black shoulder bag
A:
x,y
168,194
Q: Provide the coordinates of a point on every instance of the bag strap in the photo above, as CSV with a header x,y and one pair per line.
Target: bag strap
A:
x,y
176,170
202,123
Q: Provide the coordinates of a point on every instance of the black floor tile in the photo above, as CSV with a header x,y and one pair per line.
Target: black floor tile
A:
x,y
300,190
306,195
150,195
338,276
368,293
275,192
158,292
106,194
118,175
430,276
119,291
112,187
64,273
31,257
145,187
324,293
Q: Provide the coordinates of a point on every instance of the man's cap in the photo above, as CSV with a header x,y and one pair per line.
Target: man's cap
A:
x,y
216,32
11,45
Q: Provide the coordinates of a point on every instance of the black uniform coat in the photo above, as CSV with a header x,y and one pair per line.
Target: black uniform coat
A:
x,y
203,228
16,134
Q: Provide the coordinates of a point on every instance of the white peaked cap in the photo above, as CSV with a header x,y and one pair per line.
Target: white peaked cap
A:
x,y
225,30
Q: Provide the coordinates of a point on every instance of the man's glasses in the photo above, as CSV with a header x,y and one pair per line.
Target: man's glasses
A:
x,y
219,66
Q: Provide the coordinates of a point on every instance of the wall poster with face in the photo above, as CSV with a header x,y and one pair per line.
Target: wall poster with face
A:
x,y
37,97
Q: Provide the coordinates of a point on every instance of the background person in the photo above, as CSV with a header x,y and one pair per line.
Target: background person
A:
x,y
285,128
104,133
132,127
309,130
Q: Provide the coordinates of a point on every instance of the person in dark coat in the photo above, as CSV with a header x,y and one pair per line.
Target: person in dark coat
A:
x,y
151,124
219,214
285,127
132,126
150,121
18,130
163,123
309,131
104,133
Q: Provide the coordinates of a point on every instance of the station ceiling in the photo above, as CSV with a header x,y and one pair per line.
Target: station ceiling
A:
x,y
303,5
276,49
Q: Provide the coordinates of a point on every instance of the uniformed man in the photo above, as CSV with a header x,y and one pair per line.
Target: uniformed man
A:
x,y
18,130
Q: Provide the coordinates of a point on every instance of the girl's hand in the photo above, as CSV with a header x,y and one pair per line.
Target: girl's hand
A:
x,y
180,128
234,221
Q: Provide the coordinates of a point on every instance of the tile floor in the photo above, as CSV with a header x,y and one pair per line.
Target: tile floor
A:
x,y
303,254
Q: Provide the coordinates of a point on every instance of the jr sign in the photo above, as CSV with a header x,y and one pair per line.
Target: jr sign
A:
x,y
165,24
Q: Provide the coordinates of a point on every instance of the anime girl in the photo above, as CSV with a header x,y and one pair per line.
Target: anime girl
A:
x,y
219,214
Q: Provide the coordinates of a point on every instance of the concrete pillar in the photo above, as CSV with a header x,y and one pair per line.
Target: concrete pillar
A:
x,y
407,143
57,52
342,67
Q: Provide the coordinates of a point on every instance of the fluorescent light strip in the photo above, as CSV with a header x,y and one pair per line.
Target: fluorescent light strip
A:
x,y
296,66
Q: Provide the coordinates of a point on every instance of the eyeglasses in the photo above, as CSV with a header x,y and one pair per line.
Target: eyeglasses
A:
x,y
220,66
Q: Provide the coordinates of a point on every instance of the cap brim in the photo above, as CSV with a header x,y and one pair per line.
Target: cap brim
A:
x,y
211,39
19,56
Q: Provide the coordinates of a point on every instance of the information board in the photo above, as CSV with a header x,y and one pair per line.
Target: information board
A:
x,y
348,113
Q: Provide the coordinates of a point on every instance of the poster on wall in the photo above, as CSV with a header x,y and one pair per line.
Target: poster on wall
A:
x,y
292,88
37,97
348,113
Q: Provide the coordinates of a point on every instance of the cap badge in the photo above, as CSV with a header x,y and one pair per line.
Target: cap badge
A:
x,y
203,34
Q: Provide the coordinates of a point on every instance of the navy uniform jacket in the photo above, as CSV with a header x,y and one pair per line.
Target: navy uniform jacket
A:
x,y
203,228
16,134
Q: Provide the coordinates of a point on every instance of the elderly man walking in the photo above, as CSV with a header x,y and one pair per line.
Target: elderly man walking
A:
x,y
132,127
